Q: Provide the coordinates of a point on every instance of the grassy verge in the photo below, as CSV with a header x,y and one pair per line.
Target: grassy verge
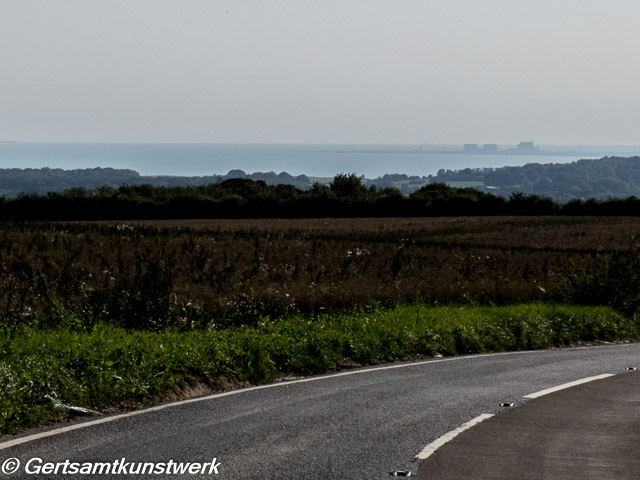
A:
x,y
109,368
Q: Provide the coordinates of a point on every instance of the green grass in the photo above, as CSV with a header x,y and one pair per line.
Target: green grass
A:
x,y
109,368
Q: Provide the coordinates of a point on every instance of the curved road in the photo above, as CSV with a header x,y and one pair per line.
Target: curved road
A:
x,y
587,431
361,424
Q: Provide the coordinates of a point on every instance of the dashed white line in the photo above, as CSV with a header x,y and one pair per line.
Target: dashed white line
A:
x,y
436,444
431,448
567,385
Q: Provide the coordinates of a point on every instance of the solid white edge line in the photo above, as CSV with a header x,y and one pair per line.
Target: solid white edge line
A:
x,y
57,431
547,391
436,444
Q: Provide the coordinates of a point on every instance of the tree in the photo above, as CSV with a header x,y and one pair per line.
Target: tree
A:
x,y
349,187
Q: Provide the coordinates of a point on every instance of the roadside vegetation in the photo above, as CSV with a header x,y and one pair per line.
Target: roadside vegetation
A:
x,y
116,315
105,367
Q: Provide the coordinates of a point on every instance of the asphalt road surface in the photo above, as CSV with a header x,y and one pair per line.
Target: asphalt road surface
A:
x,y
589,431
364,424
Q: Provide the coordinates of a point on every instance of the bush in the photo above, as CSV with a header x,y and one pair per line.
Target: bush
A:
x,y
613,280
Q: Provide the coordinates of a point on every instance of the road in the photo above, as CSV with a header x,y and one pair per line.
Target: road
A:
x,y
362,424
588,431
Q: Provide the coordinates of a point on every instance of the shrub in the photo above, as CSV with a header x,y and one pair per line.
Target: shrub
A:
x,y
612,280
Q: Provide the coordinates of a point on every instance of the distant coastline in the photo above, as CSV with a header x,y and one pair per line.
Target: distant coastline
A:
x,y
512,152
317,160
607,177
523,148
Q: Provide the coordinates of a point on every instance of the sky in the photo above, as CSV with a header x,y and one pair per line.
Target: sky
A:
x,y
562,72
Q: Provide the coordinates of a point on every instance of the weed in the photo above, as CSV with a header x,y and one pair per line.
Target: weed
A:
x,y
108,367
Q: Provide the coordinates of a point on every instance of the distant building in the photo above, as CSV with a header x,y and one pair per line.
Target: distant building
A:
x,y
470,147
526,147
490,147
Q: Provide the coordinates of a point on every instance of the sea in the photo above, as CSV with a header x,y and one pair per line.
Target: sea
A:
x,y
314,160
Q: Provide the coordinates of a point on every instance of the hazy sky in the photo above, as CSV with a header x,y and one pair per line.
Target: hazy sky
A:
x,y
321,71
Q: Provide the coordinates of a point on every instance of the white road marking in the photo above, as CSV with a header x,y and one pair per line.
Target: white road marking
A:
x,y
58,431
436,444
567,385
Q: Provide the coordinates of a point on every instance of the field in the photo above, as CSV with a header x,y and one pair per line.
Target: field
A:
x,y
112,315
147,275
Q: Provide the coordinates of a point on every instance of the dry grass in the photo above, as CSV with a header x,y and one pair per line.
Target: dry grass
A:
x,y
237,270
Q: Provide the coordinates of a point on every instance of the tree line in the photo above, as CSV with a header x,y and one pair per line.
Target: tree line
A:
x,y
14,181
345,196
608,177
